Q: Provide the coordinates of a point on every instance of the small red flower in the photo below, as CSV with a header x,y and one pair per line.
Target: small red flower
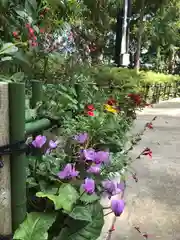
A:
x,y
149,125
90,113
111,102
90,107
112,229
147,152
15,34
136,98
31,31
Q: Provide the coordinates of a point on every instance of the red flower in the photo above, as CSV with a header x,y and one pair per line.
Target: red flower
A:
x,y
90,113
147,152
112,229
31,31
111,102
15,34
90,107
136,98
149,125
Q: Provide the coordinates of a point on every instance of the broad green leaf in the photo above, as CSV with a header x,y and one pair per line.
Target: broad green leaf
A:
x,y
55,198
35,226
65,199
80,230
89,198
21,57
8,48
81,213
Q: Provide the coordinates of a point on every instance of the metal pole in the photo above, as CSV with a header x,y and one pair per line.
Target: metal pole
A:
x,y
18,161
124,53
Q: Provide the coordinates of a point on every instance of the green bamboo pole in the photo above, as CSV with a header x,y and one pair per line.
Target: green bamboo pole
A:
x,y
18,161
37,126
30,119
36,93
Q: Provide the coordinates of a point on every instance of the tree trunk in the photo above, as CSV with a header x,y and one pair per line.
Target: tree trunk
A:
x,y
139,36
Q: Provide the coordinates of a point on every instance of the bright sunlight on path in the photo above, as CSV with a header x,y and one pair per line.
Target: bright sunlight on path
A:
x,y
153,204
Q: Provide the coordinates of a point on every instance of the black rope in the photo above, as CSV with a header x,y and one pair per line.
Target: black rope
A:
x,y
17,147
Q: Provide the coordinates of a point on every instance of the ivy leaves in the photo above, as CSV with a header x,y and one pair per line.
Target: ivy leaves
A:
x,y
35,226
65,198
80,230
82,221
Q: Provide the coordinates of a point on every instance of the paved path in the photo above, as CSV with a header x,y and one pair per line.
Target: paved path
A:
x,y
153,204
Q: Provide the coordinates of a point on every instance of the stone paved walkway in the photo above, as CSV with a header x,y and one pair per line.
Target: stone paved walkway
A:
x,y
153,204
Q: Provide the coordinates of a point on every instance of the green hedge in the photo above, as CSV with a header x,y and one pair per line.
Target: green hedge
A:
x,y
162,86
119,75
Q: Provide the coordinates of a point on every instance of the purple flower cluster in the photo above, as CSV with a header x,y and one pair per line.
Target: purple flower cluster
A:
x,y
40,141
94,160
112,187
68,172
96,157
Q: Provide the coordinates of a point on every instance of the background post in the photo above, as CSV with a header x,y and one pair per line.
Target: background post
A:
x,y
36,93
18,161
5,177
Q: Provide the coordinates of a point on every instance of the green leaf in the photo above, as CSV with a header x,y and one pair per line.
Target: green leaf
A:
x,y
89,198
35,226
81,213
8,48
65,199
79,230
21,57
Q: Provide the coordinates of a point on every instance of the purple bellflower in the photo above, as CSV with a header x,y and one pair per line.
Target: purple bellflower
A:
x,y
68,172
52,145
117,206
89,154
102,156
97,157
39,141
94,168
89,185
111,188
81,138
